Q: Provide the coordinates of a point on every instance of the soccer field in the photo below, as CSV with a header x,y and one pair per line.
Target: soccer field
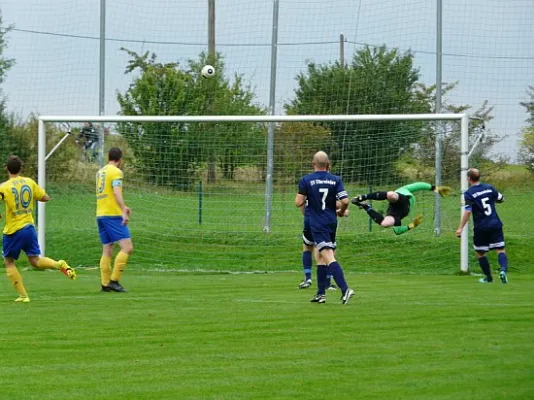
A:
x,y
254,336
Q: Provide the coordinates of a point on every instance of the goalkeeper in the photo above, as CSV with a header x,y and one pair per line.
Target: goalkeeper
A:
x,y
401,201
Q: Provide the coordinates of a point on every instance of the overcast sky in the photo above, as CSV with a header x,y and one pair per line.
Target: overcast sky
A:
x,y
488,46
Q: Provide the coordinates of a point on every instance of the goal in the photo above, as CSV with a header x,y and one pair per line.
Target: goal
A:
x,y
216,193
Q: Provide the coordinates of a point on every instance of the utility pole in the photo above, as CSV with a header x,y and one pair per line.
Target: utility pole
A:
x,y
342,50
102,78
437,110
212,170
271,127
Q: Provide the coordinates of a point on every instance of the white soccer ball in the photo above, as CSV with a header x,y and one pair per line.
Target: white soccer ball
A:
x,y
208,71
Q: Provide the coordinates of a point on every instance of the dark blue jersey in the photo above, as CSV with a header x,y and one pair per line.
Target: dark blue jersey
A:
x,y
480,199
322,190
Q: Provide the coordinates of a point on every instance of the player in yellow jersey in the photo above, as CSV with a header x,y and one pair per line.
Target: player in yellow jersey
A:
x,y
19,194
112,216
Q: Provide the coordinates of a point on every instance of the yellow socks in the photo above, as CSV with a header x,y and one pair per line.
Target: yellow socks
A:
x,y
15,278
105,270
47,263
119,266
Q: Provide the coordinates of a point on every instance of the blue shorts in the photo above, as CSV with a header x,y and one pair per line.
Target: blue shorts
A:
x,y
111,229
324,239
25,240
307,237
486,240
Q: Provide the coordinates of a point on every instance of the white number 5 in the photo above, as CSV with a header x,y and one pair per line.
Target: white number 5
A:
x,y
325,193
487,207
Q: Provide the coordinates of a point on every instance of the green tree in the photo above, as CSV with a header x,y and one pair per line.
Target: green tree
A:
x,y
295,145
376,81
172,153
529,105
6,145
526,152
422,155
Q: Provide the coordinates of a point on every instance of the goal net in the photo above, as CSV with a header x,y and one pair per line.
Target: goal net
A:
x,y
207,194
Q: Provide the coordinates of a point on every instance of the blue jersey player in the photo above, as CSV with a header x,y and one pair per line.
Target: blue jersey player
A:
x,y
322,190
307,250
480,201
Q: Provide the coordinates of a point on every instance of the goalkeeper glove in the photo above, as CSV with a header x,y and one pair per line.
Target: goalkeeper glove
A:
x,y
441,190
417,221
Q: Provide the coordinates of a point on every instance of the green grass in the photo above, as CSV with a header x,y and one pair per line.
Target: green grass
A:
x,y
198,336
166,232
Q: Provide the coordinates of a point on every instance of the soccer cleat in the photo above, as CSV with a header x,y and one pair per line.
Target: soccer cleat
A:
x,y
361,205
504,278
22,299
347,295
116,286
485,280
358,201
305,284
67,269
105,289
332,287
319,298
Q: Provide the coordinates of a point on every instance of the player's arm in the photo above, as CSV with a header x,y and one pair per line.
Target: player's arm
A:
x,y
300,198
418,186
465,217
39,194
342,210
500,198
117,193
300,201
399,230
338,210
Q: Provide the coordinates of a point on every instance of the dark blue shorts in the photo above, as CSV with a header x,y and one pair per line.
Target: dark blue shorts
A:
x,y
486,240
307,237
111,229
324,239
25,240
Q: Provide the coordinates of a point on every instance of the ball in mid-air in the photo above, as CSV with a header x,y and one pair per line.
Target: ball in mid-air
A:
x,y
207,71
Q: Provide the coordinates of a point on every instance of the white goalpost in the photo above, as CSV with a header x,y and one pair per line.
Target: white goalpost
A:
x,y
268,176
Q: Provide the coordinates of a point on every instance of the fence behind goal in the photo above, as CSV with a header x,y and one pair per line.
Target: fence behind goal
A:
x,y
208,194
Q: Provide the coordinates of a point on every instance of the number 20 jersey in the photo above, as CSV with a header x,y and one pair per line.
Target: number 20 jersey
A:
x,y
19,194
480,200
322,189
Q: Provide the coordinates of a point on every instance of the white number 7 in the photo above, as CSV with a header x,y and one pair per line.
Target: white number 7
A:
x,y
325,193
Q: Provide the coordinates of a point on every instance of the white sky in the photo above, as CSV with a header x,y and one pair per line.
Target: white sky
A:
x,y
488,46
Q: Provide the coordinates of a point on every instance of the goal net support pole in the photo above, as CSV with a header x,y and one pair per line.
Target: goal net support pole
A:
x,y
463,118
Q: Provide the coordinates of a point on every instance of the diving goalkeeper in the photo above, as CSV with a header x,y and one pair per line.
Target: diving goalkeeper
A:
x,y
401,201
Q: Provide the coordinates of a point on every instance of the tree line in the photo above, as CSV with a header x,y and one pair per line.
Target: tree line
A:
x,y
376,80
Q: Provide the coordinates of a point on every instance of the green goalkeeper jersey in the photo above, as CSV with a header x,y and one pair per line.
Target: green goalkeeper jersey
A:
x,y
408,190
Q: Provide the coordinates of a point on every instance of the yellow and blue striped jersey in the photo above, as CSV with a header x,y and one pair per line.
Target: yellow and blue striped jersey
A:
x,y
107,178
19,194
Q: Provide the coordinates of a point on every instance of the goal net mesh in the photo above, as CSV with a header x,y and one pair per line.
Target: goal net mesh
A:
x,y
198,194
